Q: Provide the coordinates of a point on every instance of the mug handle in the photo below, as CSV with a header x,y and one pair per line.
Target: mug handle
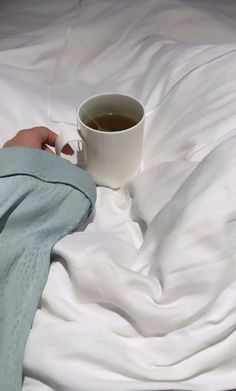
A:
x,y
65,137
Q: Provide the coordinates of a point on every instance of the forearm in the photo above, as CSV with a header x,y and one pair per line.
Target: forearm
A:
x,y
42,198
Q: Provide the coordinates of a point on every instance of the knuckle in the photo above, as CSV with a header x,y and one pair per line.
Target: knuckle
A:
x,y
39,128
22,132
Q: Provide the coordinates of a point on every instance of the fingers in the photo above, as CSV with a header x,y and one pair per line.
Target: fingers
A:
x,y
45,135
38,137
47,149
68,150
48,137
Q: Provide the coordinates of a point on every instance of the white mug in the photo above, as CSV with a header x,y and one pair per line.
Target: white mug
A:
x,y
111,157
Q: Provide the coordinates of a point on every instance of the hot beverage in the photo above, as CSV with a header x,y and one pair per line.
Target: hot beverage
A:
x,y
111,122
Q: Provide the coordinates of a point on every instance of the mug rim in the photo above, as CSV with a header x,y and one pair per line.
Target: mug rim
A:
x,y
102,131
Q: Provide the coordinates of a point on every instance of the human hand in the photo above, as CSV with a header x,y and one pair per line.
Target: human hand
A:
x,y
39,137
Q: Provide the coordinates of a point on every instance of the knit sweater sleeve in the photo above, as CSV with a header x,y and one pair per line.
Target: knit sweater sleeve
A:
x,y
42,198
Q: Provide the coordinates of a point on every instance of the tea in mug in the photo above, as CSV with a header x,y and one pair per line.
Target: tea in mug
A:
x,y
111,122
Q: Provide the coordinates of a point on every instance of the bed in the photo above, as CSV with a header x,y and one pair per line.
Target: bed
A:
x,y
143,297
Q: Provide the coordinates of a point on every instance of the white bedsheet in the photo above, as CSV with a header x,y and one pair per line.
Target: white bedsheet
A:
x,y
144,297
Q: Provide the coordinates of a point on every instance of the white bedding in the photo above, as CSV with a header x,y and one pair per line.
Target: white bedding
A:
x,y
144,297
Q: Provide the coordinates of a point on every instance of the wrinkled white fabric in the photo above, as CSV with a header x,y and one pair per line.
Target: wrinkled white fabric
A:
x,y
143,49
117,316
33,35
143,298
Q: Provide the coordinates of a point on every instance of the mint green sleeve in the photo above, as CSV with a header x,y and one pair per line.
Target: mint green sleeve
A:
x,y
42,198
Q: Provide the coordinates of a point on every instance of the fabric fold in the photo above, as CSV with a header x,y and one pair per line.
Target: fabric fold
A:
x,y
48,168
43,198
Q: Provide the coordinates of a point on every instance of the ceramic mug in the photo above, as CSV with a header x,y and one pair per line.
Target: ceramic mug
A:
x,y
111,157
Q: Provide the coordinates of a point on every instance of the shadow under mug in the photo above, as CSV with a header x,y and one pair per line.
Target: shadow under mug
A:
x,y
111,157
